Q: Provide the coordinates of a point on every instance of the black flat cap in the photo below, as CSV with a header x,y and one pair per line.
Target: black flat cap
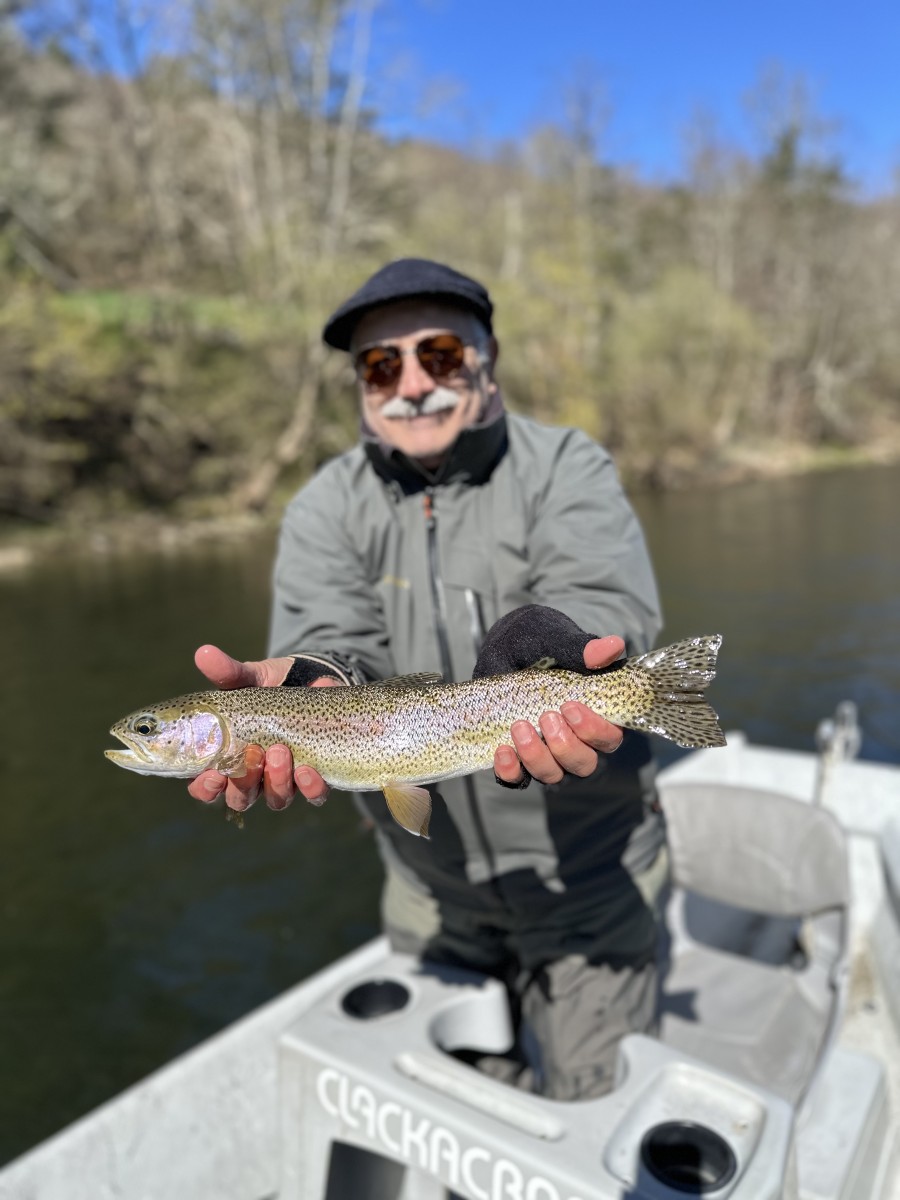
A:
x,y
407,279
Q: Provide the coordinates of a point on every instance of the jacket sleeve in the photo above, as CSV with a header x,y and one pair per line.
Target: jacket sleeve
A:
x,y
323,603
587,549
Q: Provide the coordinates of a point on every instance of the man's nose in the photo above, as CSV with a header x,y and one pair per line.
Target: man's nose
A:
x,y
414,383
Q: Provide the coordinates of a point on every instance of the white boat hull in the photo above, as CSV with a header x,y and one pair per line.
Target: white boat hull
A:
x,y
249,1114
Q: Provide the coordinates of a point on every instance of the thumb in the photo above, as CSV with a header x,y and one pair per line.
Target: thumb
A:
x,y
600,652
221,669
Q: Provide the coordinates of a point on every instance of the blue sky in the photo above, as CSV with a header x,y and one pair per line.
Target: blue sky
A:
x,y
495,70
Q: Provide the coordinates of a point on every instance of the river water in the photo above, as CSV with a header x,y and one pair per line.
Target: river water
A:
x,y
136,922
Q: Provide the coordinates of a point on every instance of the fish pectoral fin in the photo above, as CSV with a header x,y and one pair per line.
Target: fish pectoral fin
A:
x,y
236,766
410,807
419,679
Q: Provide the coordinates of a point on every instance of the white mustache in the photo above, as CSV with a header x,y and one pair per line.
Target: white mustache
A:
x,y
400,409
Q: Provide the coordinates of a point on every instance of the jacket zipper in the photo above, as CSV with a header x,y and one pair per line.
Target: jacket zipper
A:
x,y
440,623
437,586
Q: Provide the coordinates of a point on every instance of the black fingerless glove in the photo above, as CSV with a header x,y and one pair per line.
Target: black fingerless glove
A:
x,y
528,634
525,636
308,667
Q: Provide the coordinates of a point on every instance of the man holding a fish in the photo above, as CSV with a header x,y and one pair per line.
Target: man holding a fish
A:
x,y
398,557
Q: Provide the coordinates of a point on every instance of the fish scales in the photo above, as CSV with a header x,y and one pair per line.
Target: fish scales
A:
x,y
357,738
397,735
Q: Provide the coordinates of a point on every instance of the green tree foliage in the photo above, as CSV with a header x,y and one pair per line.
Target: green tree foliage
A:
x,y
186,192
120,402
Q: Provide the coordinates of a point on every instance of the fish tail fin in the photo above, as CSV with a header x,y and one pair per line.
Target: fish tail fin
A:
x,y
678,675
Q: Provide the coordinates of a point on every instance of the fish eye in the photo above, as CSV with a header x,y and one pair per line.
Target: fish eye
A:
x,y
145,725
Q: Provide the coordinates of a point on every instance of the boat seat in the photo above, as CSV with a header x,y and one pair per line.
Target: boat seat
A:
x,y
760,991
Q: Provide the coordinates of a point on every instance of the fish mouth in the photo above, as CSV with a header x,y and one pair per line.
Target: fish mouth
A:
x,y
135,758
133,751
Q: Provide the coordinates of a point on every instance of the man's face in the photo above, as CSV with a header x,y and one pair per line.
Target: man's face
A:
x,y
418,414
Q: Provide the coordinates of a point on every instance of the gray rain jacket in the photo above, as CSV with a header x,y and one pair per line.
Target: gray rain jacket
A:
x,y
379,566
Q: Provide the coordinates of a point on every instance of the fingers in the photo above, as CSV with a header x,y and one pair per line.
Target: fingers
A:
x,y
600,652
311,785
227,672
208,786
591,728
508,766
278,778
241,791
220,668
271,772
567,745
559,753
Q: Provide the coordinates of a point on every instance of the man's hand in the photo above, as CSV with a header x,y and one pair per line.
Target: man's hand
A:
x,y
273,771
572,736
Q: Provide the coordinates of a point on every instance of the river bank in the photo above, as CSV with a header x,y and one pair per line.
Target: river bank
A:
x,y
23,545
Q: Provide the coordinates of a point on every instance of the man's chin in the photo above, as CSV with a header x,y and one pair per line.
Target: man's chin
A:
x,y
426,452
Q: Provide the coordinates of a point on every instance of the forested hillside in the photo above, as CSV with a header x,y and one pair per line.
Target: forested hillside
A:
x,y
182,204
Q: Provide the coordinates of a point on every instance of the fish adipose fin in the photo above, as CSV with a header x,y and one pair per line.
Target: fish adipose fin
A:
x,y
678,674
410,807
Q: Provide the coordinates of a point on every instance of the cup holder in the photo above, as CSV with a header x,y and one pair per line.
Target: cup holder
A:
x,y
375,998
688,1157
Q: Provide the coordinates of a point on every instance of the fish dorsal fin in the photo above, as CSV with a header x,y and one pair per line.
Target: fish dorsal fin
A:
x,y
410,807
542,664
419,679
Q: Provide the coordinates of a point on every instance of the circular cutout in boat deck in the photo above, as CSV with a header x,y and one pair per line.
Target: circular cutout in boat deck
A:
x,y
375,998
688,1157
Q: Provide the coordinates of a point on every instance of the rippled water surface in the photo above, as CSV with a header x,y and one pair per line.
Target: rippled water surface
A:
x,y
136,923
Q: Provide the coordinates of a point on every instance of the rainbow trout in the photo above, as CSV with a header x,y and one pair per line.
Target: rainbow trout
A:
x,y
399,734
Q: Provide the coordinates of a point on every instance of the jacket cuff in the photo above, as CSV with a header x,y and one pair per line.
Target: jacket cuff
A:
x,y
307,667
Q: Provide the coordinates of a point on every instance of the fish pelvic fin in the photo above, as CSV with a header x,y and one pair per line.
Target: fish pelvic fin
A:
x,y
678,674
410,806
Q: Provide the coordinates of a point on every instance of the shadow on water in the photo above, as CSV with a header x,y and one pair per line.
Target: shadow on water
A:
x,y
137,922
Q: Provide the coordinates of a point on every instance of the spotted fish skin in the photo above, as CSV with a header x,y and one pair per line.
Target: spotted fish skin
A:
x,y
412,731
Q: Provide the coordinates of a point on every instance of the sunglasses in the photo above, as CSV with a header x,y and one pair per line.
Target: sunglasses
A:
x,y
441,355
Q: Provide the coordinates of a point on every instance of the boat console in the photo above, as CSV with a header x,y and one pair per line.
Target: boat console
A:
x,y
374,1104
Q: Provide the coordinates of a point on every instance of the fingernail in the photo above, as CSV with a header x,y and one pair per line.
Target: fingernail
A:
x,y
212,788
553,722
572,713
305,779
522,731
254,756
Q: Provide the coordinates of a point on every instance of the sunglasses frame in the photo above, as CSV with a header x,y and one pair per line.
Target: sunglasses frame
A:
x,y
399,353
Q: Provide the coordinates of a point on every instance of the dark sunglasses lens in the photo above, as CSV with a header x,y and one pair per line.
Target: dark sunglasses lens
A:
x,y
441,356
379,366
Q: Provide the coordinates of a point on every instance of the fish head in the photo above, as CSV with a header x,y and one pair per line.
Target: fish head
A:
x,y
179,738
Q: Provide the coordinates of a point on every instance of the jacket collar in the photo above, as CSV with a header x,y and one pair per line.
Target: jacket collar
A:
x,y
470,460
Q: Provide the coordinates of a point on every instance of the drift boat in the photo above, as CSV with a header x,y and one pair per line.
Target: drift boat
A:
x,y
776,1071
